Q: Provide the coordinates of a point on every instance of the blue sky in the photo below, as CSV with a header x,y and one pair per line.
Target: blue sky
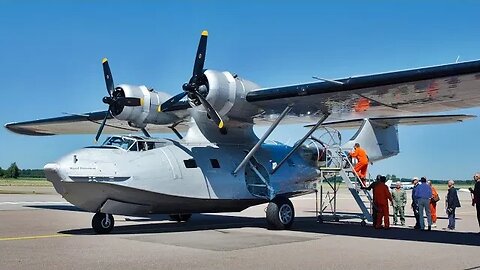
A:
x,y
51,51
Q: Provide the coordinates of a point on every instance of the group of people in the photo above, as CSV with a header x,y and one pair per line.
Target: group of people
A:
x,y
424,203
424,197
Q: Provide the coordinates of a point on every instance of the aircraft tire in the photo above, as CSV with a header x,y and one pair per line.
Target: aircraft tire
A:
x,y
280,214
102,223
180,217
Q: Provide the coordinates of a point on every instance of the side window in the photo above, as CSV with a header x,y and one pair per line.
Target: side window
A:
x,y
190,163
133,147
215,163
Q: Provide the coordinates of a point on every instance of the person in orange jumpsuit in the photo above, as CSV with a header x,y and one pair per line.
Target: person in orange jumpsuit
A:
x,y
382,196
433,205
362,164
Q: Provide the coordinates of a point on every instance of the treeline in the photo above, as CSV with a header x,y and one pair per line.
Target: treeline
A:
x,y
394,178
14,172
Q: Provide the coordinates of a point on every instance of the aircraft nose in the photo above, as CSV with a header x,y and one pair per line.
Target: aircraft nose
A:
x,y
54,174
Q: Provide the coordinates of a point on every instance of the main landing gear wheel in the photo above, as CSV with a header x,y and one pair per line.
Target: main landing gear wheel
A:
x,y
180,217
102,223
280,214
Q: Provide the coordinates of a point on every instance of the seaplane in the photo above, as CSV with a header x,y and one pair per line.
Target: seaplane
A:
x,y
217,163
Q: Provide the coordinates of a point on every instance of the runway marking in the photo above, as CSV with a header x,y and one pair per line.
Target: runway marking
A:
x,y
17,203
34,237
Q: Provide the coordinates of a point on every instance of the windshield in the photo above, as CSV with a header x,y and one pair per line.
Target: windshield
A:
x,y
120,142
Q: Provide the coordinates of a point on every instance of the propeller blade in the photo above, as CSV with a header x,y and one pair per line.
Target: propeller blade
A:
x,y
200,57
100,129
107,73
211,112
129,101
171,101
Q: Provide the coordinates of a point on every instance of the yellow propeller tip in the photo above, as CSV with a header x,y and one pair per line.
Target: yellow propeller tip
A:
x,y
104,60
205,33
220,125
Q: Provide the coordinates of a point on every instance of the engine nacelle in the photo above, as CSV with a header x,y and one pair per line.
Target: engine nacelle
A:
x,y
226,93
147,113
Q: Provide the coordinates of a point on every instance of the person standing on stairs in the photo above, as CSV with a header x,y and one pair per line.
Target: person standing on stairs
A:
x,y
361,167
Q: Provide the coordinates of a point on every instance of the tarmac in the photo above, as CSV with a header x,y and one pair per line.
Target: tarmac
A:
x,y
42,231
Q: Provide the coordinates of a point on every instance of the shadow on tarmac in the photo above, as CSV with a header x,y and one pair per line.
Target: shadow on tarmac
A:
x,y
201,222
57,207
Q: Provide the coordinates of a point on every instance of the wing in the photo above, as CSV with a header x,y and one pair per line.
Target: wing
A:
x,y
399,93
400,120
84,124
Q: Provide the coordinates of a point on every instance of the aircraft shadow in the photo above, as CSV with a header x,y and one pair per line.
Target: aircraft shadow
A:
x,y
198,222
328,214
395,233
201,222
57,207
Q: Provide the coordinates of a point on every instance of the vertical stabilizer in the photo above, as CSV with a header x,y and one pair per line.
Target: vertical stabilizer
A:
x,y
379,139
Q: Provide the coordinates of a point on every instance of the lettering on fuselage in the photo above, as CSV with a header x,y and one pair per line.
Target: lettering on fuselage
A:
x,y
82,168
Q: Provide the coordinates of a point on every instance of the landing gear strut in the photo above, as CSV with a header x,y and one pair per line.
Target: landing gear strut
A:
x,y
280,214
102,223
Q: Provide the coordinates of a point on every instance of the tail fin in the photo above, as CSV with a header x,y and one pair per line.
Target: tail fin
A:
x,y
389,183
379,136
380,141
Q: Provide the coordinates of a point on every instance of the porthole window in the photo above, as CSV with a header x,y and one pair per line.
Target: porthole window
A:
x,y
190,163
215,163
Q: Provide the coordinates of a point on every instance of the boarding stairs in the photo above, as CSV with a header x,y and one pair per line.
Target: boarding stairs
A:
x,y
338,166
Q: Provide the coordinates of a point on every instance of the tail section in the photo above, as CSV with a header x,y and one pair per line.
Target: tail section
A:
x,y
380,140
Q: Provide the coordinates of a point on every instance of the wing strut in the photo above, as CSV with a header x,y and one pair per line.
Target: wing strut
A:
x,y
145,132
264,137
299,143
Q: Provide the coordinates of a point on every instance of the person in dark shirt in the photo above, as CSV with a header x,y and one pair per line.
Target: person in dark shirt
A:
x,y
415,203
476,195
423,194
451,204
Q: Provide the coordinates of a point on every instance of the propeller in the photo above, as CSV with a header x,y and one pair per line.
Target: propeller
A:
x,y
197,86
116,99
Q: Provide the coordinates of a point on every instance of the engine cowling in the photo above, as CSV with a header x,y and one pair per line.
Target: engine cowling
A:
x,y
227,92
147,113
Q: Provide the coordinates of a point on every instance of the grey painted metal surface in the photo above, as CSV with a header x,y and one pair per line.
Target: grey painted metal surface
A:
x,y
175,177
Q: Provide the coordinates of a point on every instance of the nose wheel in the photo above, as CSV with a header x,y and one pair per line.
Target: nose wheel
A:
x,y
102,223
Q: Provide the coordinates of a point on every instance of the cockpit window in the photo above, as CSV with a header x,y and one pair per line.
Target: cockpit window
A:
x,y
120,142
133,143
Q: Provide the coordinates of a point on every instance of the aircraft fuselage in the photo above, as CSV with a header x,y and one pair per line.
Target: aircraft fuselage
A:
x,y
175,177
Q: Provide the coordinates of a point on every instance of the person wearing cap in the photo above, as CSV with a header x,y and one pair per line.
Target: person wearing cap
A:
x,y
423,193
433,204
399,201
415,203
451,203
476,195
361,167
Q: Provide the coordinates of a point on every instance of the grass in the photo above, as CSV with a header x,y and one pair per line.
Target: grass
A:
x,y
36,182
457,185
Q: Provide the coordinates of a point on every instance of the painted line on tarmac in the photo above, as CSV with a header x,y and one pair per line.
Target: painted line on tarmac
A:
x,y
34,237
25,202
